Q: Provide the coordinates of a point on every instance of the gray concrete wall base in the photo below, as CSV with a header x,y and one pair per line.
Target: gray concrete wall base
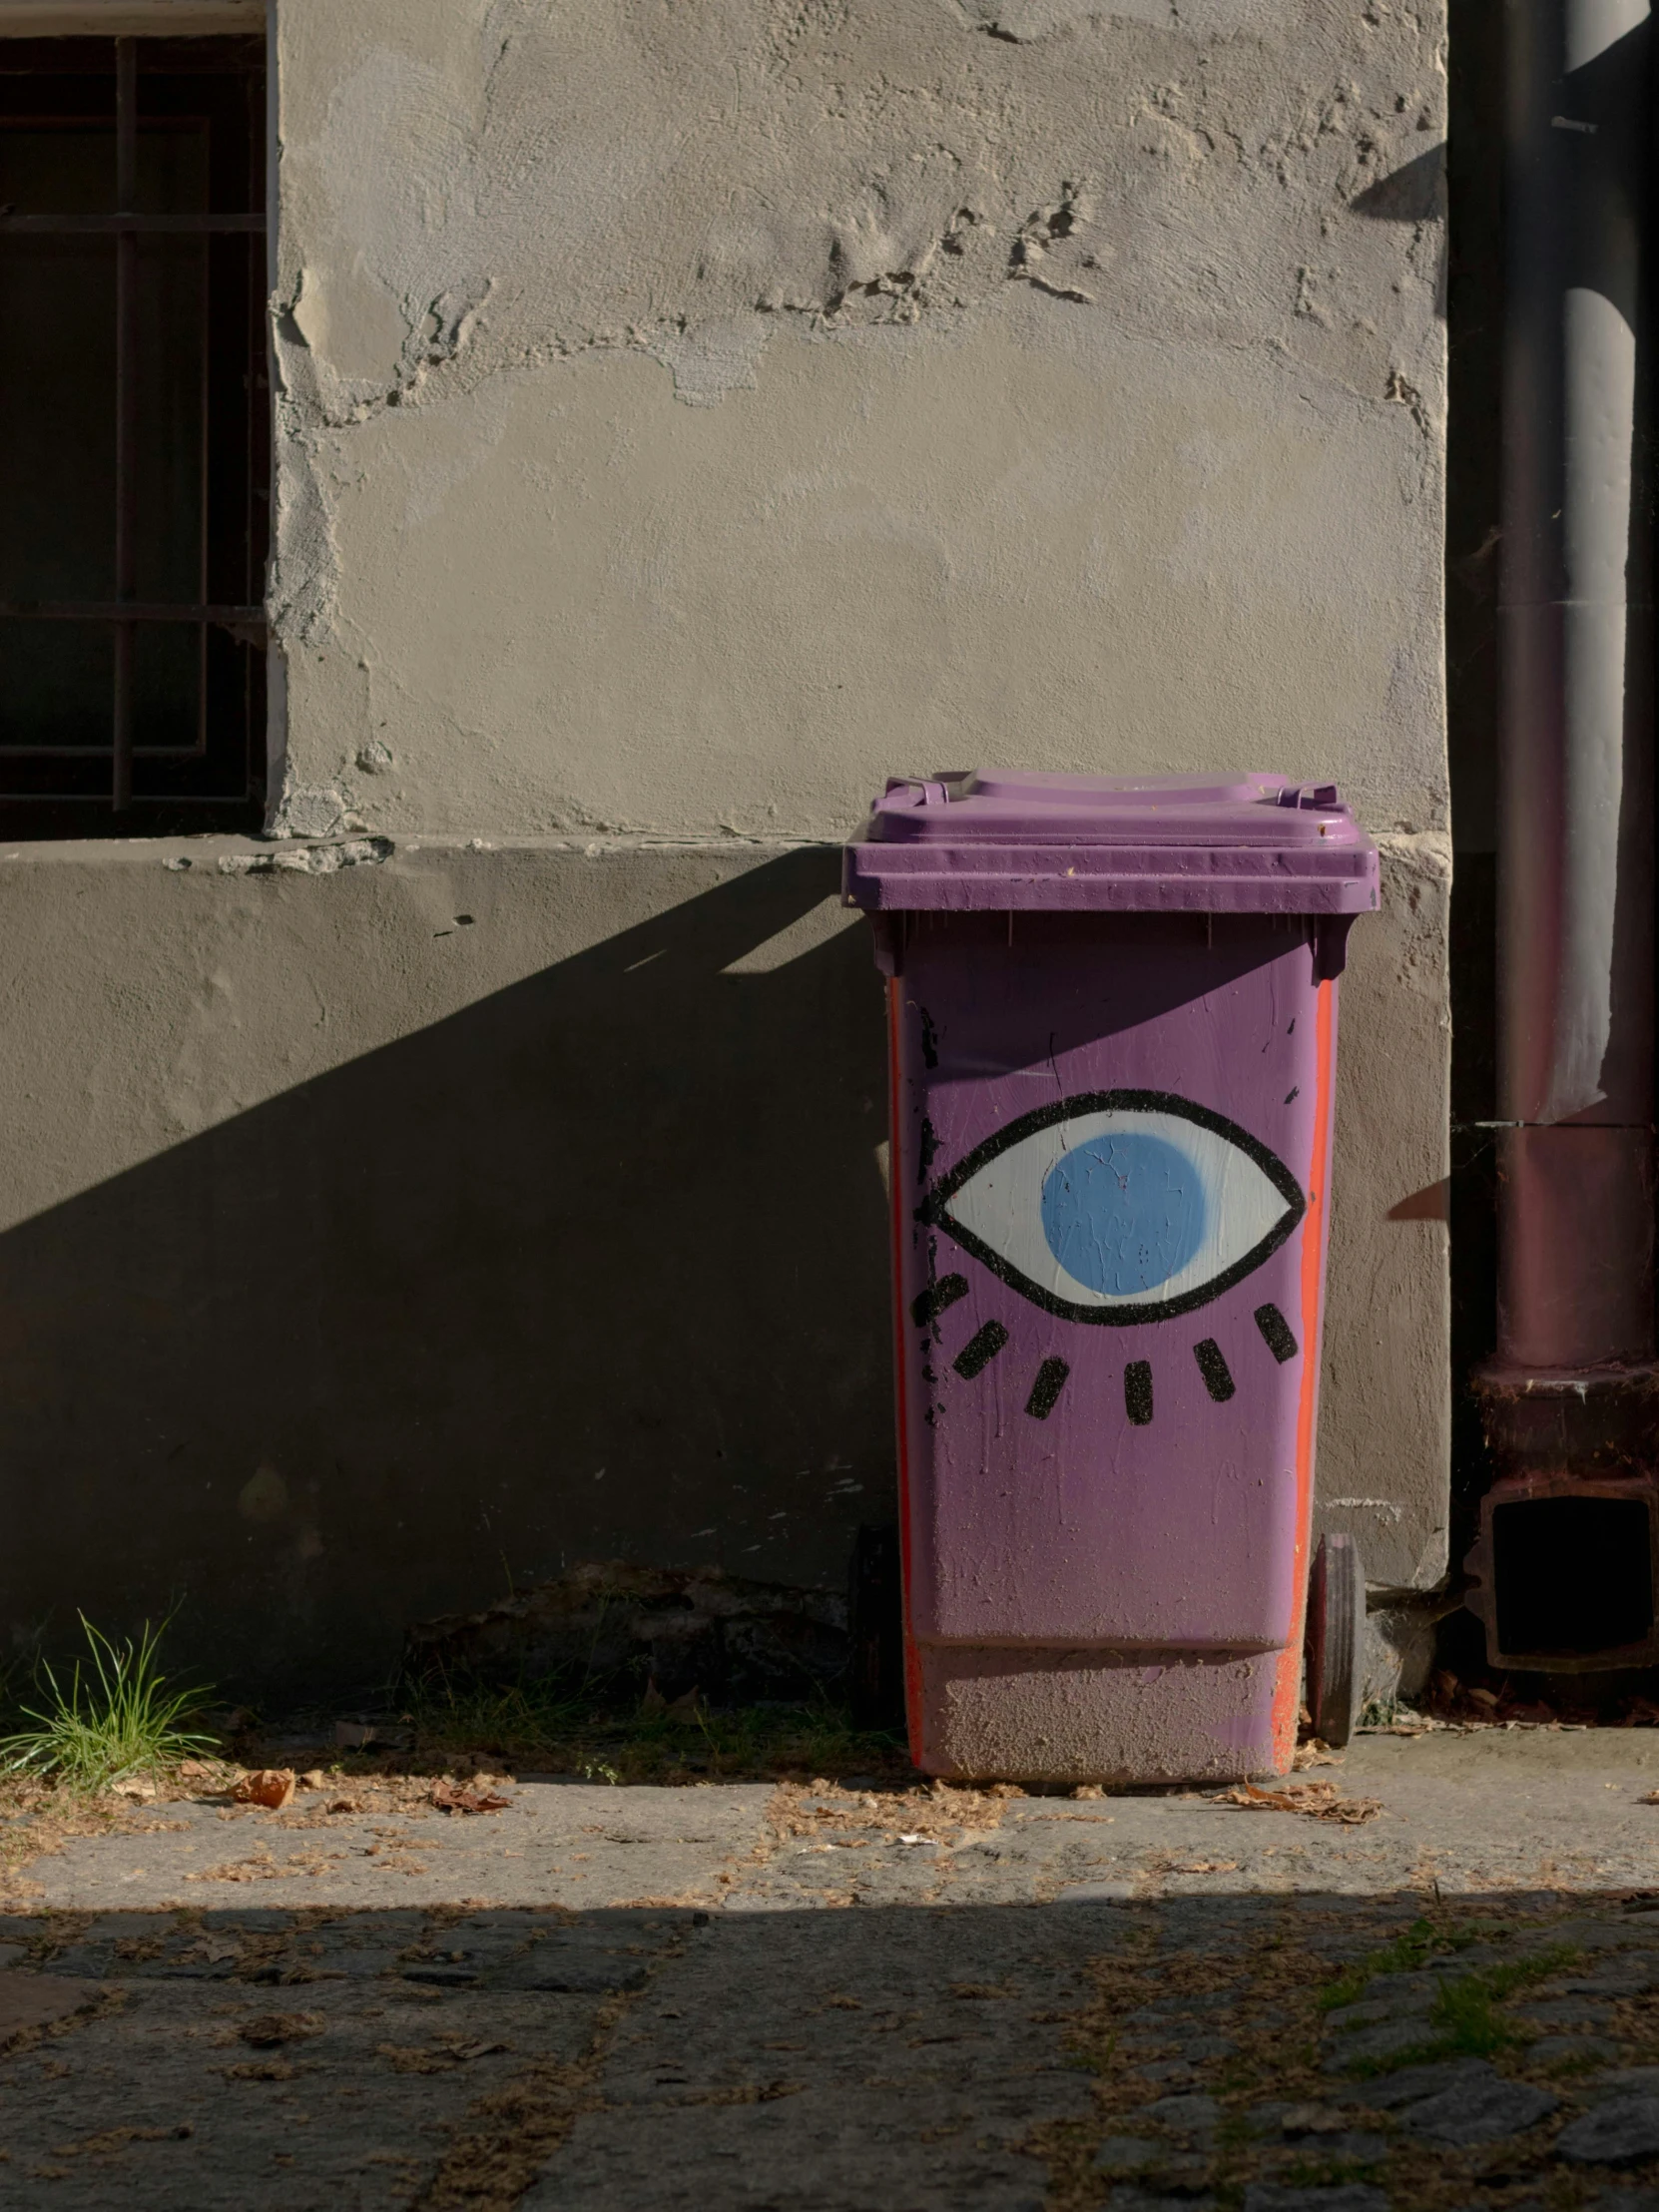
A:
x,y
1400,1648
386,1224
380,1236
1386,1421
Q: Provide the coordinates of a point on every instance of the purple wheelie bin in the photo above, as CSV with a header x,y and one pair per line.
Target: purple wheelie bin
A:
x,y
1113,1036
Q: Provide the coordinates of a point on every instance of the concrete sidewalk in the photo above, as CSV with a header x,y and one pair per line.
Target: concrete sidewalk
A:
x,y
628,1997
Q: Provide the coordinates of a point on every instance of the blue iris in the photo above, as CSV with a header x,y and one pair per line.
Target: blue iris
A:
x,y
1123,1214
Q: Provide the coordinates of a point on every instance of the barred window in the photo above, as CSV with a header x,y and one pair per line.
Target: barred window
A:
x,y
135,435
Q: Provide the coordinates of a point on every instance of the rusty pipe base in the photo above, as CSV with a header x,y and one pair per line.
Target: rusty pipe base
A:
x,y
1565,1569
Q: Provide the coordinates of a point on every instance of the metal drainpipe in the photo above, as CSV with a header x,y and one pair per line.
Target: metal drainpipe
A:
x,y
1571,1396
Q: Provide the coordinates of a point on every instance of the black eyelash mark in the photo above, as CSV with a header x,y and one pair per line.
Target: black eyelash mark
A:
x,y
933,1300
980,1349
1275,1332
926,1150
1294,1092
1137,1391
1218,1381
1045,1392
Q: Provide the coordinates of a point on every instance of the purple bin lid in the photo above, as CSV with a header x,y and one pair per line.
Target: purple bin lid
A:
x,y
1012,837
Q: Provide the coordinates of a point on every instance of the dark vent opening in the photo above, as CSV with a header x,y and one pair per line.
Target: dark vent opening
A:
x,y
1572,1576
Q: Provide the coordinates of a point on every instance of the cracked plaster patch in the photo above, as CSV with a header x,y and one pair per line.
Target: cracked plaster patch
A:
x,y
309,860
527,185
312,811
1023,20
657,192
710,359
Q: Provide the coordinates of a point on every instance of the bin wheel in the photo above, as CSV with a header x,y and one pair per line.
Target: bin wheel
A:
x,y
1335,1640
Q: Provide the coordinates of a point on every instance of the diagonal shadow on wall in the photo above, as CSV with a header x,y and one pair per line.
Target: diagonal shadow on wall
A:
x,y
593,1267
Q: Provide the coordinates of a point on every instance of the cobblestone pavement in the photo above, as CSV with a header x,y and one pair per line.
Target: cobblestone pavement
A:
x,y
632,1998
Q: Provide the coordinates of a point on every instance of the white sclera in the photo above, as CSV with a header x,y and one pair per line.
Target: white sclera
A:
x,y
1003,1204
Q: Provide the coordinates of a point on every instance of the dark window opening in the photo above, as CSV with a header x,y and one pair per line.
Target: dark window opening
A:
x,y
1573,1576
135,436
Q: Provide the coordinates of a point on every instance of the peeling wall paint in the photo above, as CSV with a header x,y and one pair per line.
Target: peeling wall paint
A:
x,y
629,352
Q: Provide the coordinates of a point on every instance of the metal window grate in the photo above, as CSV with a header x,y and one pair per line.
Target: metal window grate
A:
x,y
134,459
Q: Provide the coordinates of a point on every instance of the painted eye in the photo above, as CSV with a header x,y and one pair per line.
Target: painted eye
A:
x,y
1119,1205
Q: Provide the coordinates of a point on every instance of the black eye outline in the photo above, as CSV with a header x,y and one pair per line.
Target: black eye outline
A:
x,y
933,1212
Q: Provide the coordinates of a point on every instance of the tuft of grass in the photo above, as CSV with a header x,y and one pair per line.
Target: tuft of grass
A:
x,y
1464,2022
607,1733
117,1721
516,1720
1420,1942
1521,1974
1327,2173
1406,1953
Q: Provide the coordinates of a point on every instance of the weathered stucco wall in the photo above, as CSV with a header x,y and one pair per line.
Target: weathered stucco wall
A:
x,y
363,1259
1063,383
688,415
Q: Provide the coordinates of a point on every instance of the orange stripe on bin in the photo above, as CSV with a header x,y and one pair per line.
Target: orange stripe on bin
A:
x,y
895,1185
1286,1700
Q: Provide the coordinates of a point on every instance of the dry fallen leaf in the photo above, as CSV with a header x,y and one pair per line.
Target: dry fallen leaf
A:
x,y
754,2092
1314,1754
344,1805
435,2058
1652,1798
448,1796
30,2001
1315,2120
114,2139
1203,1865
215,1949
267,2029
372,1736
272,1786
261,1866
1318,1801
